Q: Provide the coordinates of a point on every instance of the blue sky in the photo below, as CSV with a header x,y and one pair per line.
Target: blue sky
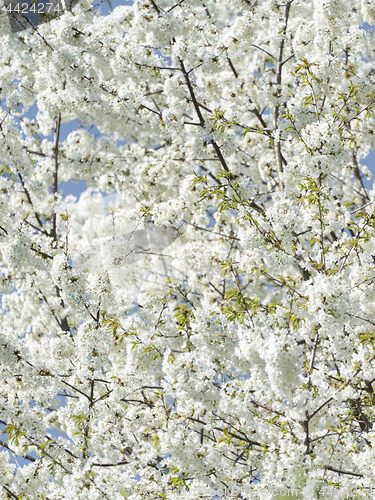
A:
x,y
106,6
370,163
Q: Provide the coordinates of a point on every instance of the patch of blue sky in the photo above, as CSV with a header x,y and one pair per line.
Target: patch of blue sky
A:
x,y
106,6
369,161
367,27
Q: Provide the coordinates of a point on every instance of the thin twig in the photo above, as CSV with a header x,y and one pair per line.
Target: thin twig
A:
x,y
339,471
357,114
28,457
361,208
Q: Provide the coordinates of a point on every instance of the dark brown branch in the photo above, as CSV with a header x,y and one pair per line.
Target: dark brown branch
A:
x,y
156,7
102,397
43,231
192,94
177,5
279,68
75,389
111,465
241,438
327,401
212,232
263,50
28,457
357,114
10,492
267,408
29,199
38,153
55,180
41,253
142,106
313,357
200,116
339,471
232,68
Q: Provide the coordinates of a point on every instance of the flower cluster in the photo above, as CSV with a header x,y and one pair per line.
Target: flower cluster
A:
x,y
213,328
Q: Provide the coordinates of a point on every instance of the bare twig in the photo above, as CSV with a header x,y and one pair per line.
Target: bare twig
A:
x,y
357,114
340,471
55,180
279,68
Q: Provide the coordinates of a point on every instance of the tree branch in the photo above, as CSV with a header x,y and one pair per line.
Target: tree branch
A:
x,y
279,68
55,180
339,471
28,457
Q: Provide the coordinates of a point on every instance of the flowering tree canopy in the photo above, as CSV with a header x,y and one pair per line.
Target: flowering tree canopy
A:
x,y
214,328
